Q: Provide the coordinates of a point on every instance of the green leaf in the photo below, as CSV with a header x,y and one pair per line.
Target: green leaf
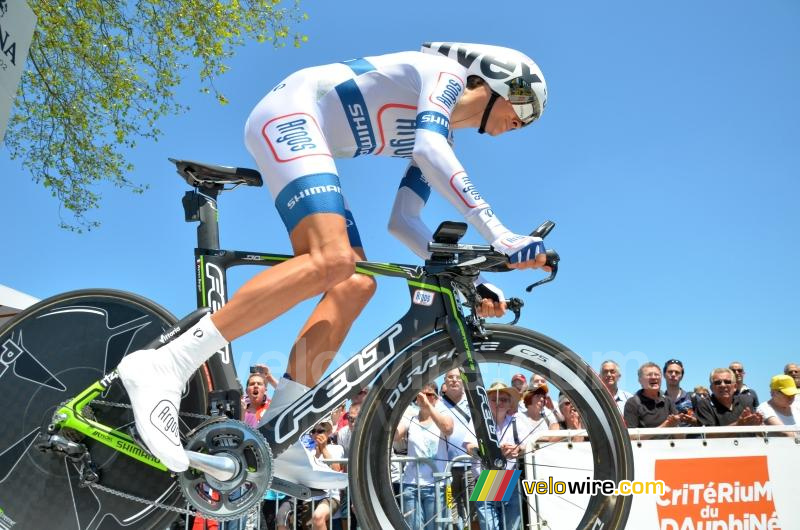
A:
x,y
102,73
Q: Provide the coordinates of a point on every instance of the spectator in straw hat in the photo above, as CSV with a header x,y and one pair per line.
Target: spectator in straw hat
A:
x,y
534,400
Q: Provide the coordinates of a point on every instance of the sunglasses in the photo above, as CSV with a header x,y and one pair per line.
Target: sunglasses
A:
x,y
673,361
523,98
431,395
720,382
737,369
319,431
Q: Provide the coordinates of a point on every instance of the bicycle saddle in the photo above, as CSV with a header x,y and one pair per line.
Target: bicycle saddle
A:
x,y
198,174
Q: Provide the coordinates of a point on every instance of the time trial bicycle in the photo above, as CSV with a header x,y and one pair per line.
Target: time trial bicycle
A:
x,y
69,436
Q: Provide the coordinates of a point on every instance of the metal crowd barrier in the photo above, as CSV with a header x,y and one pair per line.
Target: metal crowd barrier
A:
x,y
446,507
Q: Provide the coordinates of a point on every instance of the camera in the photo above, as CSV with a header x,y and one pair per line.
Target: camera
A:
x,y
255,370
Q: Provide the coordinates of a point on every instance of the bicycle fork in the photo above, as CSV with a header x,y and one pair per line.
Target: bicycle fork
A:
x,y
485,428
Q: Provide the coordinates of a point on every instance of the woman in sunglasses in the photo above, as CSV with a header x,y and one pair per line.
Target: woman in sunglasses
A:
x,y
426,436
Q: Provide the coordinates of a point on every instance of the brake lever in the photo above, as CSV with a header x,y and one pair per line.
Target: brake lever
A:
x,y
552,261
515,305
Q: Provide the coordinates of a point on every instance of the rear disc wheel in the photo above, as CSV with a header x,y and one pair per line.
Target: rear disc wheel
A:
x,y
50,352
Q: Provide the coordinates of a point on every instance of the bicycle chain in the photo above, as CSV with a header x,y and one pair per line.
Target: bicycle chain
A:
x,y
131,497
128,406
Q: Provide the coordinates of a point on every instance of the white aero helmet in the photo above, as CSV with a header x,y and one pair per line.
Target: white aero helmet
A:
x,y
510,74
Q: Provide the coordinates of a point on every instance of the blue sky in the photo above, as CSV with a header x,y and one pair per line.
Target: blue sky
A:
x,y
668,157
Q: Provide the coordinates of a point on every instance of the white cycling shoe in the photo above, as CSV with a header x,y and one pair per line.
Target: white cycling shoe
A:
x,y
295,464
154,380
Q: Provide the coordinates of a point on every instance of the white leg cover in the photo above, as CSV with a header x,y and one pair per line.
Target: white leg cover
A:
x,y
154,380
295,464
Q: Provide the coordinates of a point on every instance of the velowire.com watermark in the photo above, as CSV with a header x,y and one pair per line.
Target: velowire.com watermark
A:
x,y
593,487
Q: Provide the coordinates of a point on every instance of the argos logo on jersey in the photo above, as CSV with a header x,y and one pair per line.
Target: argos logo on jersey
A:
x,y
293,136
465,189
397,126
448,90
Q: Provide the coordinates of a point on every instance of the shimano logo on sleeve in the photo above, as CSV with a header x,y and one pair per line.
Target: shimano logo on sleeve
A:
x,y
313,190
310,194
434,121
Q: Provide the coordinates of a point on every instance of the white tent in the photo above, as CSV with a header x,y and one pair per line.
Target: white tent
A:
x,y
12,302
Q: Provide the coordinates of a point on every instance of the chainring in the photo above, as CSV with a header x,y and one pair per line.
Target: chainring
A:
x,y
234,498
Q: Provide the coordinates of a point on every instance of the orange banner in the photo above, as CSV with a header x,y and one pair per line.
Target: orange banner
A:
x,y
716,494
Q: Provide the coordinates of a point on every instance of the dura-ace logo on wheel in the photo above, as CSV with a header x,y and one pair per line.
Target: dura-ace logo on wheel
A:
x,y
340,383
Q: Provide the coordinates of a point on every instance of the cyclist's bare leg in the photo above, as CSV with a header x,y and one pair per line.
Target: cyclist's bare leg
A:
x,y
321,239
323,333
324,259
154,379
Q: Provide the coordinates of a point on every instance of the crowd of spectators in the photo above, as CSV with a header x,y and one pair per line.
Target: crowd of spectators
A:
x,y
438,427
730,401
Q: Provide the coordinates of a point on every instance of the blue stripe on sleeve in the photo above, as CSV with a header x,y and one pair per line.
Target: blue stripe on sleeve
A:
x,y
434,121
352,229
359,66
317,193
414,181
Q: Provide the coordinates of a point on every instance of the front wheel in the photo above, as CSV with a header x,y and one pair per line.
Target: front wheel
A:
x,y
381,491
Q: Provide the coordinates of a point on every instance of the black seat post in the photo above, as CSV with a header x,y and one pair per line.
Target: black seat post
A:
x,y
201,206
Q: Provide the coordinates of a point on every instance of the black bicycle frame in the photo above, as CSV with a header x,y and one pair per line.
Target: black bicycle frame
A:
x,y
434,308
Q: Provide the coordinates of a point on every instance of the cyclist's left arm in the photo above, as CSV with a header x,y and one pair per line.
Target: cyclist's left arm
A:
x,y
406,224
437,161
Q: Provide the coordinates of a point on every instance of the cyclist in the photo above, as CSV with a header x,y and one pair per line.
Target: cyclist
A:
x,y
402,104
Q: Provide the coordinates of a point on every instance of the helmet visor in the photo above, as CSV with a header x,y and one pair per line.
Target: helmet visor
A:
x,y
523,98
